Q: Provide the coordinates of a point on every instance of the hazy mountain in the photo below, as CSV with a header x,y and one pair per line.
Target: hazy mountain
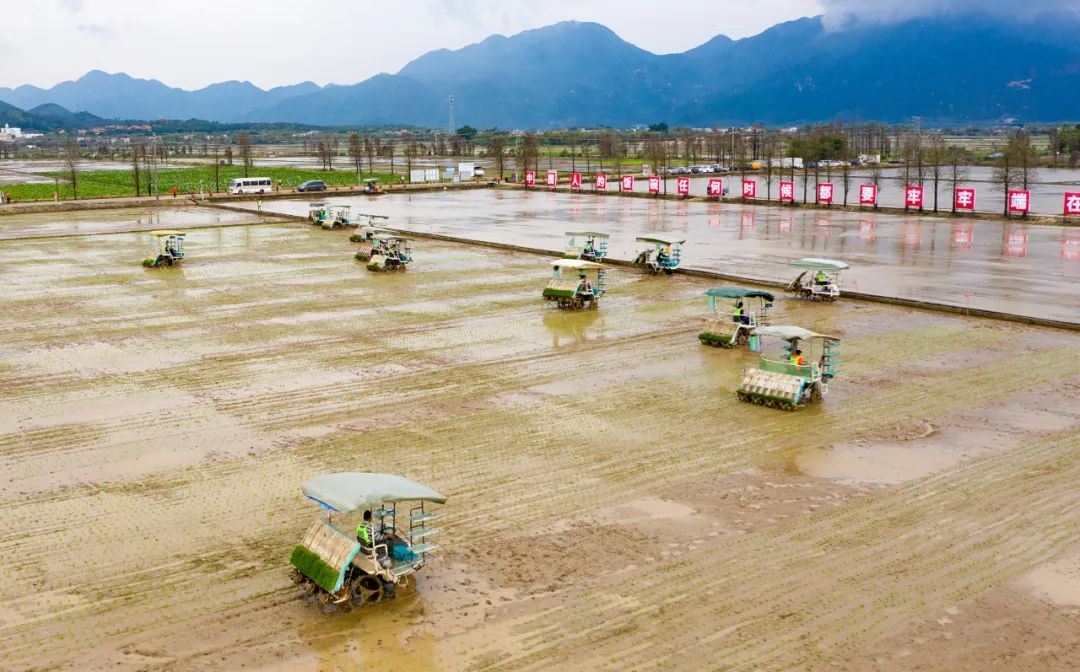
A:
x,y
48,117
956,69
123,97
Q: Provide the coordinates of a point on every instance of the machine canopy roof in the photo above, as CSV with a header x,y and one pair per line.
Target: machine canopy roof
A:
x,y
588,234
349,491
576,264
661,238
167,232
792,333
811,264
738,293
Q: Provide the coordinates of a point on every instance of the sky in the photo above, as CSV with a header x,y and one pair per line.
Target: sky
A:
x,y
192,43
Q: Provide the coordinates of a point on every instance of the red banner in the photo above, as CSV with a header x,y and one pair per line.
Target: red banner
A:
x,y
684,186
601,182
1019,201
913,197
749,188
654,184
825,193
627,183
868,194
787,191
716,187
553,179
575,181
1072,203
530,178
965,198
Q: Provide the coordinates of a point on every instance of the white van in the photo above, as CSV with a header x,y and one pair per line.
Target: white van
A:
x,y
250,185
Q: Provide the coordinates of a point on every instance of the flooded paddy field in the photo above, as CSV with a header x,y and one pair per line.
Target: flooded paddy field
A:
x,y
58,224
1018,268
612,504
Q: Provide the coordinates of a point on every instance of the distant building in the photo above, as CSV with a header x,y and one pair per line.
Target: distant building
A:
x,y
10,134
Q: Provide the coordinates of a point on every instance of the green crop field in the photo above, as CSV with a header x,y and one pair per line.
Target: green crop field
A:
x,y
188,179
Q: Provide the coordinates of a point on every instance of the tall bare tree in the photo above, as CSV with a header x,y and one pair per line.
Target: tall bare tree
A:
x,y
936,156
954,156
356,152
71,162
656,152
243,143
369,151
136,156
497,151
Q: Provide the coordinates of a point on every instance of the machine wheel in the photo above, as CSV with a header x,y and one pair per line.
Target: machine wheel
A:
x,y
295,576
366,590
308,587
325,598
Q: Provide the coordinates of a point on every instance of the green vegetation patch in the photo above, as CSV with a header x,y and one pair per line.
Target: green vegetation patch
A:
x,y
313,567
558,293
186,180
710,337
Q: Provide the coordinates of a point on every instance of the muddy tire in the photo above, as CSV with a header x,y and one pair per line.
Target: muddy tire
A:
x,y
366,590
325,598
308,587
295,576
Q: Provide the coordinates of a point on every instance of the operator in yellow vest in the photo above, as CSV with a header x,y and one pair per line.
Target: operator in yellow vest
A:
x,y
820,278
796,358
369,537
737,313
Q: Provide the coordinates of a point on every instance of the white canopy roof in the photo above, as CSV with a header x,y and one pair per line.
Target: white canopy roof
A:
x,y
349,491
788,333
576,264
813,264
663,238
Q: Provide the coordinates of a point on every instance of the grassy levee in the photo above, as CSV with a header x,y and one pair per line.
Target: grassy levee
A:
x,y
186,179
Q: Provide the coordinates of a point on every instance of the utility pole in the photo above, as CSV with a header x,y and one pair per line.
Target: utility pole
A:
x,y
450,102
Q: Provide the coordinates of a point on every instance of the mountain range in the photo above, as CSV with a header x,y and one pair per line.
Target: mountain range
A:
x,y
952,69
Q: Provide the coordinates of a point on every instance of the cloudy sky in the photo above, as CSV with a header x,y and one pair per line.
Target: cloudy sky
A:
x,y
192,43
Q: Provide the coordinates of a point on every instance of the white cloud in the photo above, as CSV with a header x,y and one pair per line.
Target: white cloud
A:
x,y
70,6
95,30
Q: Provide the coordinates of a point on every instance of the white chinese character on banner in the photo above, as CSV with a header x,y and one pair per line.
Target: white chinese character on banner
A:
x,y
1018,201
914,196
826,192
1072,204
787,190
748,188
867,194
963,198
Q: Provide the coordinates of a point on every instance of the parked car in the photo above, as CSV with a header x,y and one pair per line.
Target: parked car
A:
x,y
697,169
312,185
478,172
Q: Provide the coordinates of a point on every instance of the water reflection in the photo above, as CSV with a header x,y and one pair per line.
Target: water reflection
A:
x,y
963,236
573,327
1014,243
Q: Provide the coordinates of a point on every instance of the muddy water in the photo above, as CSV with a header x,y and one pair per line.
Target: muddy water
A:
x,y
51,224
155,428
1016,268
